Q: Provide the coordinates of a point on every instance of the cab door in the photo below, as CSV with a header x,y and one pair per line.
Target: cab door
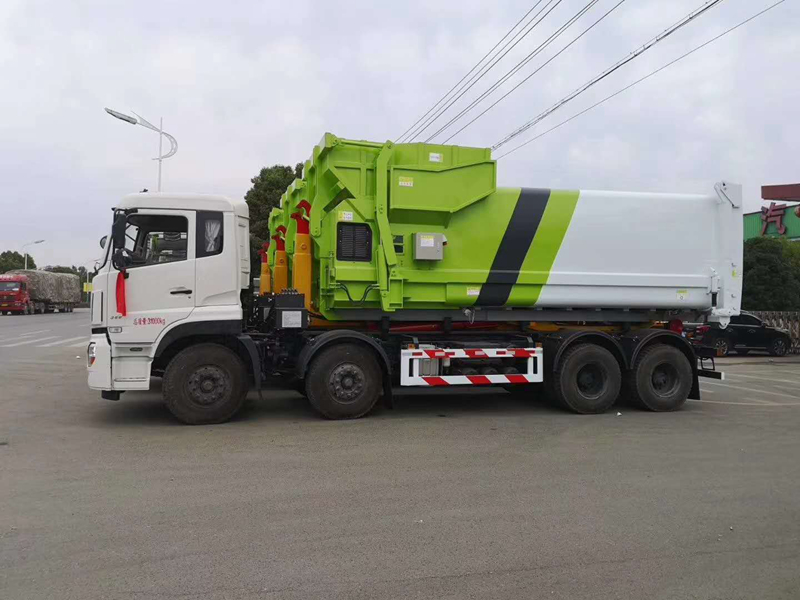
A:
x,y
160,263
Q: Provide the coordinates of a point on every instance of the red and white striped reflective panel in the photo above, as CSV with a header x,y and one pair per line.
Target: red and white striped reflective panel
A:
x,y
410,360
477,379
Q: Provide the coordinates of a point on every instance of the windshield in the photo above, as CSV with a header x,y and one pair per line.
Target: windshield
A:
x,y
9,286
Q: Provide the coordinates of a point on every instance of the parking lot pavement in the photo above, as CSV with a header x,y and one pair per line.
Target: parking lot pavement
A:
x,y
480,495
23,336
755,380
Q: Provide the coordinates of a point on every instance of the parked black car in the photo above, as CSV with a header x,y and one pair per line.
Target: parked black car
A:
x,y
744,333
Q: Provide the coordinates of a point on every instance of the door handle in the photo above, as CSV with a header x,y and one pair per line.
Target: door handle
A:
x,y
177,291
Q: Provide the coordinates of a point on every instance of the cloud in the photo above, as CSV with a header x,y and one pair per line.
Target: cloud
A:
x,y
247,84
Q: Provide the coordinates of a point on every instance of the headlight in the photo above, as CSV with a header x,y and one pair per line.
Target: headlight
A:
x,y
91,354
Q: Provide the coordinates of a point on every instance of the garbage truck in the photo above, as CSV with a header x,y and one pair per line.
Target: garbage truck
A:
x,y
31,291
405,265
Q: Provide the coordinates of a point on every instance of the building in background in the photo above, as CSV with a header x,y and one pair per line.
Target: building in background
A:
x,y
778,219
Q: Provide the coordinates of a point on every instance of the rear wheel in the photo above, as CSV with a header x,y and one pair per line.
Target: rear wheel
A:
x,y
205,384
344,381
660,379
779,347
587,380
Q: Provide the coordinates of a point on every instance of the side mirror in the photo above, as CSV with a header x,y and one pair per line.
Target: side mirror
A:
x,y
118,231
103,241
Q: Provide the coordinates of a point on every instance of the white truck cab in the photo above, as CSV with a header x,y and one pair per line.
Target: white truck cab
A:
x,y
166,273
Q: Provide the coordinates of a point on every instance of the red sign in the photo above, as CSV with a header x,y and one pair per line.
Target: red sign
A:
x,y
774,214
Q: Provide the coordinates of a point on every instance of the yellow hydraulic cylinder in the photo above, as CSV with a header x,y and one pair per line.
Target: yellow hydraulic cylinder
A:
x,y
266,276
301,261
280,273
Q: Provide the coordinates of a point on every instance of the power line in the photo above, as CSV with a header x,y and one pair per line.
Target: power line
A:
x,y
551,59
471,70
549,7
536,51
648,76
615,67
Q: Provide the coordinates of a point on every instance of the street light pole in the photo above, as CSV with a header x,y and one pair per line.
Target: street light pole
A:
x,y
160,144
26,254
140,120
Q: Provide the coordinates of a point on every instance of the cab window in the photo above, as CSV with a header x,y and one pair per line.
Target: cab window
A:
x,y
209,233
156,239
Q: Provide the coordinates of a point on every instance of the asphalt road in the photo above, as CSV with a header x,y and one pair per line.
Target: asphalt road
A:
x,y
482,495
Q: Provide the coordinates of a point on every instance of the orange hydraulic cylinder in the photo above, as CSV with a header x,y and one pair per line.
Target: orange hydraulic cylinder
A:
x,y
266,276
280,272
301,261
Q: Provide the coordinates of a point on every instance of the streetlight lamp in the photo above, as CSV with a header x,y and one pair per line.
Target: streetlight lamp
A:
x,y
26,254
139,120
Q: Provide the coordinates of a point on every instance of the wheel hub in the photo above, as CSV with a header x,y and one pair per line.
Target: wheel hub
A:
x,y
664,379
346,383
591,380
208,385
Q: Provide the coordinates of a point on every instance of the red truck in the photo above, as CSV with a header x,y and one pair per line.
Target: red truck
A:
x,y
29,292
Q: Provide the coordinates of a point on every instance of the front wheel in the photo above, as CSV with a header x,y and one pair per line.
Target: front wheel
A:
x,y
661,378
779,347
588,379
205,384
344,381
722,346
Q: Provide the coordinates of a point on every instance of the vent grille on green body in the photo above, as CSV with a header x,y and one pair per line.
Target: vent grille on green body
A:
x,y
354,242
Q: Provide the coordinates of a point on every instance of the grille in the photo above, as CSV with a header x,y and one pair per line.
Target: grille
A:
x,y
354,242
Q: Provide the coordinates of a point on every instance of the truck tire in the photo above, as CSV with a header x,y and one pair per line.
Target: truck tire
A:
x,y
344,381
587,380
203,384
661,378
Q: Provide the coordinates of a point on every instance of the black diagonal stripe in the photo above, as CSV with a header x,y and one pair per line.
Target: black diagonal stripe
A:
x,y
514,246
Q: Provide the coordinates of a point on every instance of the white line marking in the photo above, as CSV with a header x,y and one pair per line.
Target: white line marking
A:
x,y
707,391
738,387
792,388
49,337
774,404
34,332
795,381
84,343
57,342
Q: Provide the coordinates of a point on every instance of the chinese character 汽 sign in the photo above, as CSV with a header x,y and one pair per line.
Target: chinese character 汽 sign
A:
x,y
774,214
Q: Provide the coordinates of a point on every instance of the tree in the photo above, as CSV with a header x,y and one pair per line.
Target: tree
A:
x,y
268,187
771,278
10,260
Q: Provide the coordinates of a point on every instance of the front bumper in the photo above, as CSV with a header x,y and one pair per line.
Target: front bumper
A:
x,y
98,363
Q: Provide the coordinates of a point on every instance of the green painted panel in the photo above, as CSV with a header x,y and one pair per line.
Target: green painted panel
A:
x,y
753,225
544,248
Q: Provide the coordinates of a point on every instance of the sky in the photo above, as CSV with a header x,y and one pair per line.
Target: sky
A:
x,y
247,84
